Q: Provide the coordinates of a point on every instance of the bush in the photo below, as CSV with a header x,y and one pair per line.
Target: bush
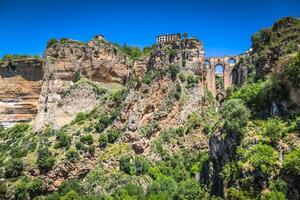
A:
x,y
292,71
235,116
45,159
63,140
274,129
130,191
163,184
51,42
104,121
174,70
126,165
292,162
70,185
182,77
72,155
87,139
259,96
274,195
13,168
113,134
103,140
149,129
189,189
262,157
36,187
80,117
192,81
71,195
118,96
235,194
141,165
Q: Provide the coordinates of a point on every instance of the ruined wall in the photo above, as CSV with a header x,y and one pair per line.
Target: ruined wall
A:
x,y
20,86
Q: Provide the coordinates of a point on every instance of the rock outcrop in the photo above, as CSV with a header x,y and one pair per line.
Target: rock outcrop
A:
x,y
65,63
20,86
187,54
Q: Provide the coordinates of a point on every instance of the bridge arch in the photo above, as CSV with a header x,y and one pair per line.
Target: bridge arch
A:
x,y
219,76
220,97
231,61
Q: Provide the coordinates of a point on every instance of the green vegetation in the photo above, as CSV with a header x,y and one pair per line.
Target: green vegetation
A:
x,y
292,71
235,116
45,159
292,161
72,155
13,168
113,134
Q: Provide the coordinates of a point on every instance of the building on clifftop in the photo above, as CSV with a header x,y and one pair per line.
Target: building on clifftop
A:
x,y
168,38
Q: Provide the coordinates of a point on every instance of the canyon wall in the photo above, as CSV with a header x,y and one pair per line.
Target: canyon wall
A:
x,y
68,61
20,86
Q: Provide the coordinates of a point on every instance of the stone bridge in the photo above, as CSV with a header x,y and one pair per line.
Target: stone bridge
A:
x,y
225,62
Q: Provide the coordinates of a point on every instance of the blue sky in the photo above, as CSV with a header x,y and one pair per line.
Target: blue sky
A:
x,y
225,27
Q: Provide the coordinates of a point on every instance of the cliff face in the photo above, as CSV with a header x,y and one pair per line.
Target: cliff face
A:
x,y
20,86
187,54
65,63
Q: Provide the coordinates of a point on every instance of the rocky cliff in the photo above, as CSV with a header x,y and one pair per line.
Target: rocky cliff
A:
x,y
68,61
20,86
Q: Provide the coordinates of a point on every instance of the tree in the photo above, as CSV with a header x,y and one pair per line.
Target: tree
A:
x,y
185,35
45,159
262,157
235,116
292,161
274,129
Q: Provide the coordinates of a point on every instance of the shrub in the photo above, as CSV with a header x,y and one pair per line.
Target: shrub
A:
x,y
235,194
36,187
21,191
104,121
103,140
292,71
292,161
87,139
163,184
80,117
71,195
279,185
274,129
262,157
126,165
189,189
141,165
76,77
13,168
118,96
72,155
45,159
130,191
51,42
63,140
274,195
182,77
192,81
174,70
235,116
194,120
149,129
113,134
69,185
